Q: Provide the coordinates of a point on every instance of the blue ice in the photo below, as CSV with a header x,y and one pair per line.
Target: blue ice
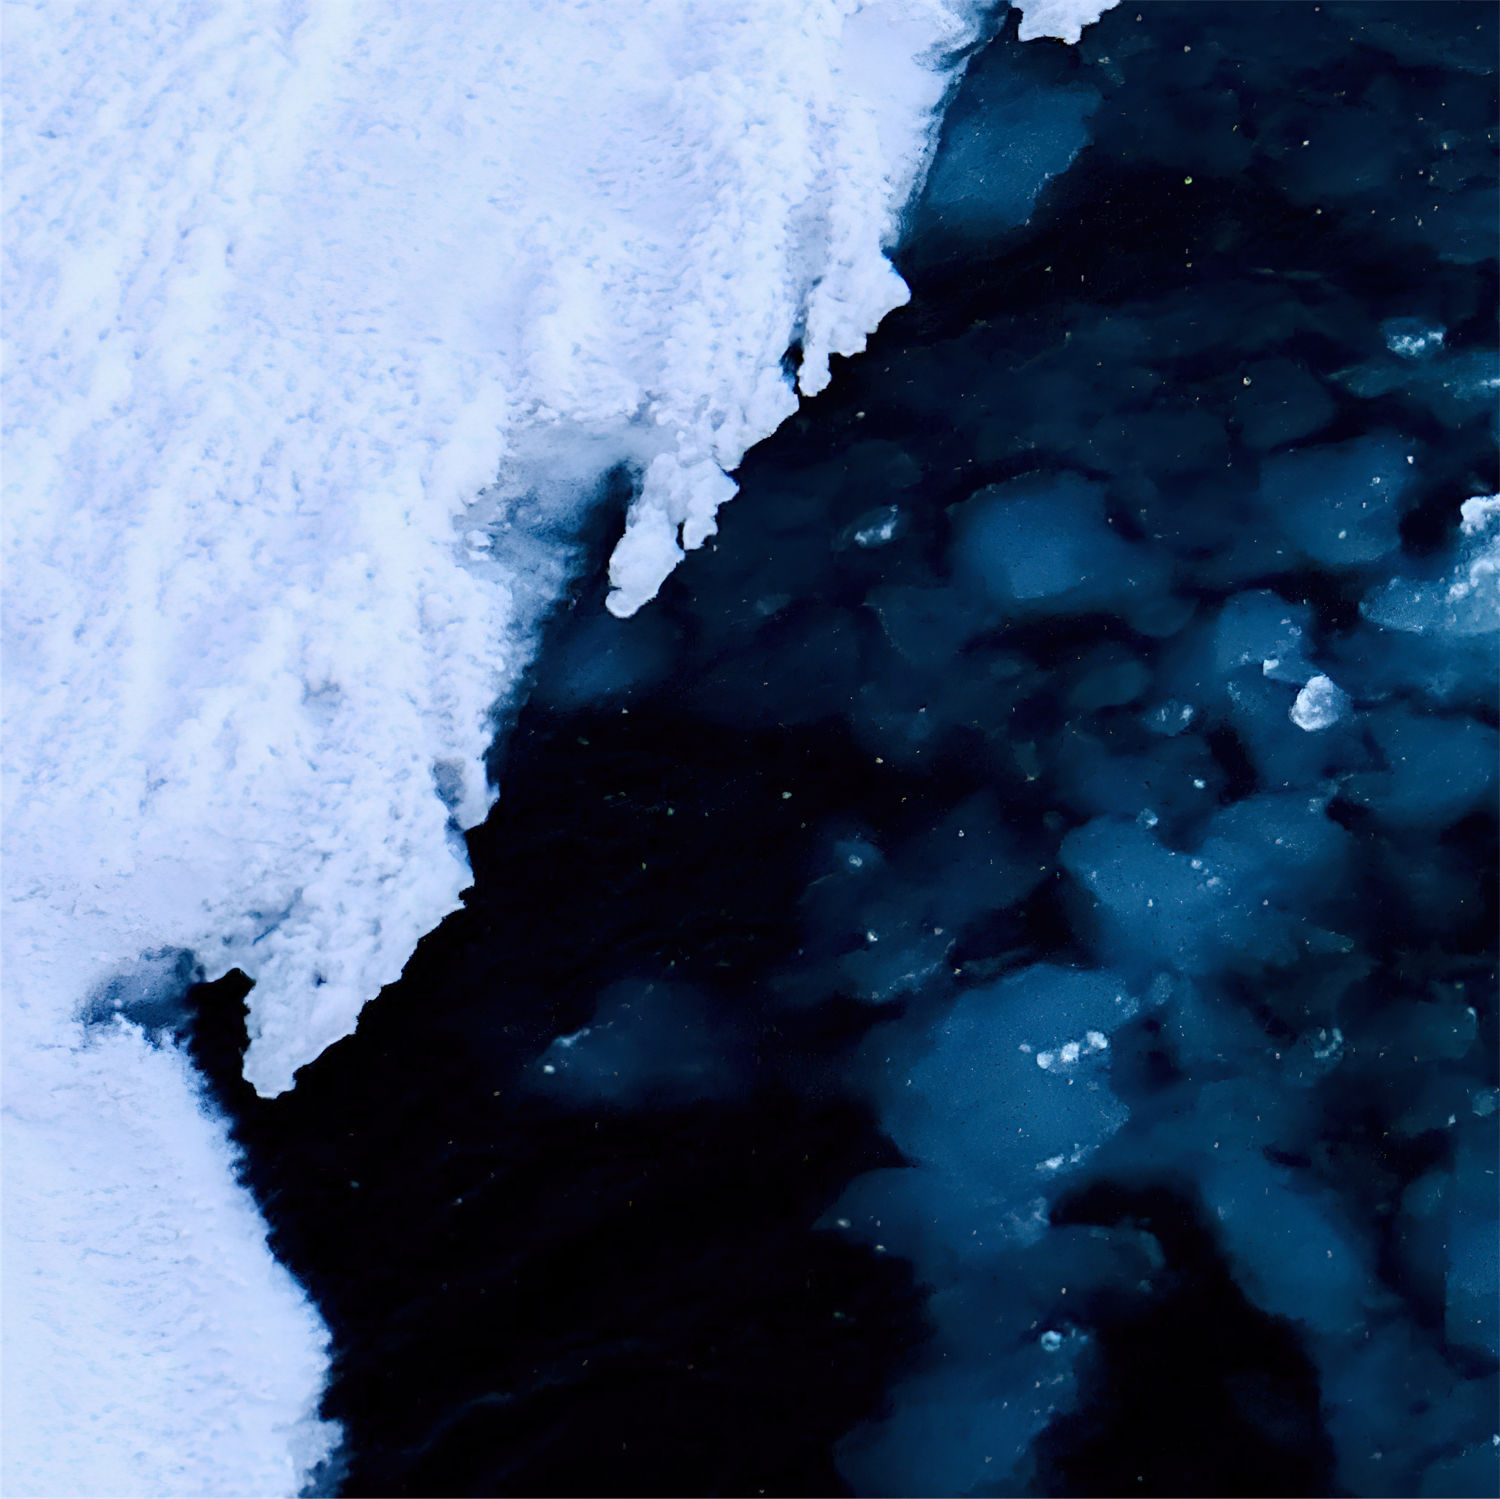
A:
x,y
995,162
1043,544
1341,504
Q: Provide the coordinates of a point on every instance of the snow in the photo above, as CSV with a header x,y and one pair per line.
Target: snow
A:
x,y
284,300
153,1345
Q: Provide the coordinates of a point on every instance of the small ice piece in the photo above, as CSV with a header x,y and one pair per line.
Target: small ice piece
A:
x,y
1051,1340
876,528
1412,338
1001,146
1169,718
1319,705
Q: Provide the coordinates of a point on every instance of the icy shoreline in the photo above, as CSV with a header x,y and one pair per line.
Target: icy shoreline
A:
x,y
282,299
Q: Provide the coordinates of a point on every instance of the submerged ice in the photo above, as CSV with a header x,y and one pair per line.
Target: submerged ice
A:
x,y
1189,626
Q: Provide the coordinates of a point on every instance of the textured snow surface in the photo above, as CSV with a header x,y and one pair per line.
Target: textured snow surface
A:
x,y
322,327
152,1344
284,296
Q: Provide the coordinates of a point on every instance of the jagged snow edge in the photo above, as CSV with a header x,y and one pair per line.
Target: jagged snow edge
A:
x,y
193,1430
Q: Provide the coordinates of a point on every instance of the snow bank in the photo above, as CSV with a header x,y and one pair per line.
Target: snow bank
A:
x,y
284,299
323,326
152,1344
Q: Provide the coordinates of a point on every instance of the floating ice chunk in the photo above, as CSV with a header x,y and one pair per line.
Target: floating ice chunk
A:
x,y
985,1112
875,528
1473,1278
598,658
902,965
1437,768
1169,718
1244,896
1319,705
1455,387
1293,1254
1476,1470
1063,19
905,921
1043,544
1412,338
949,1431
1262,629
1341,503
1011,138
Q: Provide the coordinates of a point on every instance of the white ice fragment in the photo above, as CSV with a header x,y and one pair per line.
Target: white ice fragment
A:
x,y
1319,705
881,531
1063,19
1051,1341
1409,340
1329,1044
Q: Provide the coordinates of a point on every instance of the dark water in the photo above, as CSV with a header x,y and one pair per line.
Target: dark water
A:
x,y
727,1141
